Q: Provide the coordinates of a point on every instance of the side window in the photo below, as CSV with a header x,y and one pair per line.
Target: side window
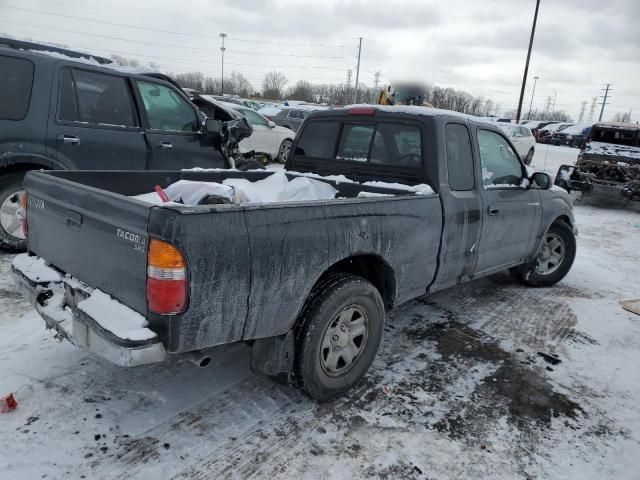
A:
x,y
166,110
16,81
67,110
254,118
355,142
295,114
103,99
318,140
500,165
459,157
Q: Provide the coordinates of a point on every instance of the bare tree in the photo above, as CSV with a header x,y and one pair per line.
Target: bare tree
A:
x,y
273,85
302,90
239,85
624,117
123,61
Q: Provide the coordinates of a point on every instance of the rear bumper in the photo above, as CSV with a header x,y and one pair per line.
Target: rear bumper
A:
x,y
56,298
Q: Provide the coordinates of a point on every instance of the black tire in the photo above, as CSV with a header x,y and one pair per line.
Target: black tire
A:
x,y
337,294
283,151
530,275
529,158
10,188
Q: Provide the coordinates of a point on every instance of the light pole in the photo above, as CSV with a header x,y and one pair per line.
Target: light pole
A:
x,y
535,80
222,49
526,66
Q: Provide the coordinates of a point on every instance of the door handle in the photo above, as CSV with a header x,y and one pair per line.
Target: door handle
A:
x,y
167,145
69,139
493,211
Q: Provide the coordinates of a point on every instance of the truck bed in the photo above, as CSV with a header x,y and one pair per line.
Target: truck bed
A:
x,y
250,266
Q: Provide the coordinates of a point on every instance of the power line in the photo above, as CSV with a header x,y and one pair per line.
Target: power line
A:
x,y
377,53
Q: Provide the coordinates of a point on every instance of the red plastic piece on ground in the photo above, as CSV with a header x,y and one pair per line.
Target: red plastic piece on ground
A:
x,y
8,403
161,193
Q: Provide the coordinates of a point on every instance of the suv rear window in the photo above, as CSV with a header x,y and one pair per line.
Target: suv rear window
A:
x,y
16,81
385,143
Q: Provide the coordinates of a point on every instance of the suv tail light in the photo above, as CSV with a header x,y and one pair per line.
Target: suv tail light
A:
x,y
167,284
23,215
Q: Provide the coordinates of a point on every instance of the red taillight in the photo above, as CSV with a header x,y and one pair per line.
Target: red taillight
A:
x,y
23,215
362,111
269,117
167,285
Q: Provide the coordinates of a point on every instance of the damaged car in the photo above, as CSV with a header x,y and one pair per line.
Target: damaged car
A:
x,y
608,164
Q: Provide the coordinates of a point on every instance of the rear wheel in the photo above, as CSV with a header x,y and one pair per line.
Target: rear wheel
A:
x,y
554,258
529,157
283,151
338,335
12,237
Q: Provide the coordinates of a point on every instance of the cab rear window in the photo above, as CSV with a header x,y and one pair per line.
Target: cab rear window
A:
x,y
384,143
16,81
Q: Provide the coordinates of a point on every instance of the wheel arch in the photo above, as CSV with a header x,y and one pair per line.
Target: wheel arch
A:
x,y
372,268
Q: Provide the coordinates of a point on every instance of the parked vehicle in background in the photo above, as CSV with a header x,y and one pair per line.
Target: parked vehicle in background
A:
x,y
252,104
267,137
522,139
540,125
544,134
608,164
573,136
62,110
305,282
289,117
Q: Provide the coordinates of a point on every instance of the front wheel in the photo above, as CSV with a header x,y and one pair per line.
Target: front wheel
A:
x,y
12,237
283,151
338,335
554,258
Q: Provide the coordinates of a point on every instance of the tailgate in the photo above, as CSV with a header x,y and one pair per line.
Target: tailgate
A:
x,y
95,235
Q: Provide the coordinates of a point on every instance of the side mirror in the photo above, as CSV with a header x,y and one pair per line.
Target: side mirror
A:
x,y
212,126
541,180
271,124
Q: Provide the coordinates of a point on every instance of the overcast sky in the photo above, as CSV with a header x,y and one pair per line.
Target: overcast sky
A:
x,y
479,46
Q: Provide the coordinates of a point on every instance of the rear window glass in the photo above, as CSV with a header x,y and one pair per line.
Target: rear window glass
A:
x,y
392,144
16,80
459,157
318,140
615,136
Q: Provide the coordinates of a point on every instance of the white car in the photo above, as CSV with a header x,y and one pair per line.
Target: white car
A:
x,y
522,139
267,137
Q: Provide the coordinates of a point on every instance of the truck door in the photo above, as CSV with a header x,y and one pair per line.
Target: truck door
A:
x,y
463,206
172,128
93,123
511,212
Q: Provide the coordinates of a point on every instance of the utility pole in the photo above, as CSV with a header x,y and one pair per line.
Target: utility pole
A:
x,y
358,71
222,49
604,101
526,65
535,80
592,109
547,107
582,112
349,73
554,101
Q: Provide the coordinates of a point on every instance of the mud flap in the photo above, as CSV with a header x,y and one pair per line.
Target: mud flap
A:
x,y
274,356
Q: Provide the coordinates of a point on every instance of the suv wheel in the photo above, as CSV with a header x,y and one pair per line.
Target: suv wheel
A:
x,y
338,336
12,237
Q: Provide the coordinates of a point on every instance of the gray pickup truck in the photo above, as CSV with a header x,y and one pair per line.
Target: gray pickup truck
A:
x,y
306,283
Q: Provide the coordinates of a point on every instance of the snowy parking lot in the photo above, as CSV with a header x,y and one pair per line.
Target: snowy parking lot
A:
x,y
488,380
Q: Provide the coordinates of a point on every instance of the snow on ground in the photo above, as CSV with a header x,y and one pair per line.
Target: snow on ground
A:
x,y
488,380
